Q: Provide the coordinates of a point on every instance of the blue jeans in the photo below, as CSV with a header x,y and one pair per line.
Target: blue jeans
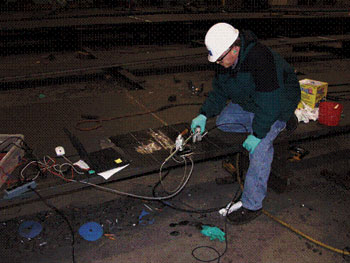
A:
x,y
255,185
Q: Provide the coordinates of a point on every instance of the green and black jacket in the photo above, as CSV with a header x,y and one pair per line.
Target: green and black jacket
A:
x,y
262,83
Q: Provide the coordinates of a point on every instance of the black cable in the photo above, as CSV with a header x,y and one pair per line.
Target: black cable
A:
x,y
201,211
218,257
198,211
154,194
235,198
62,215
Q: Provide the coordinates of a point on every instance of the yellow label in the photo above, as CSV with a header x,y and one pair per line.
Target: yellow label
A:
x,y
118,160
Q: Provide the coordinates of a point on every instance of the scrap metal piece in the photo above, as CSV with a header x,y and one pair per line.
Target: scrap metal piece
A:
x,y
195,90
85,53
297,154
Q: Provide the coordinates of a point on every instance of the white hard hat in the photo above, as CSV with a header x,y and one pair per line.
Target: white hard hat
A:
x,y
219,38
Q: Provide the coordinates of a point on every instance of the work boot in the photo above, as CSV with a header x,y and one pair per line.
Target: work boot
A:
x,y
242,216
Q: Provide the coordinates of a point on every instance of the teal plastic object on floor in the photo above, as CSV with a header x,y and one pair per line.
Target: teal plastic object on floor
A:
x,y
213,233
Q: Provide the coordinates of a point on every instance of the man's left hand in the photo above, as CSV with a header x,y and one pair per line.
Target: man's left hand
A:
x,y
250,143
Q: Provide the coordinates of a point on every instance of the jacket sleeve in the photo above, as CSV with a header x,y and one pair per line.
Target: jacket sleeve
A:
x,y
216,100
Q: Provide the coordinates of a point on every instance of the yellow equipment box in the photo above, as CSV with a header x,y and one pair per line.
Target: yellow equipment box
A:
x,y
313,91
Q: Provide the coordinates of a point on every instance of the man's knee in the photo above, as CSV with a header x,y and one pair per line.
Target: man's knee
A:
x,y
220,124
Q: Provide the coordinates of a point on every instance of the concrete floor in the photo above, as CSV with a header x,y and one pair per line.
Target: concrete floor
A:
x,y
314,203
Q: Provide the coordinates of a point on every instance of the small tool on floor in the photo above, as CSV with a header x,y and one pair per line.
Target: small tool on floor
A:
x,y
229,166
297,153
110,236
195,90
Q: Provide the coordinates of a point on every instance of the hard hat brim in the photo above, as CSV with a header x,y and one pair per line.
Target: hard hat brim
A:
x,y
213,58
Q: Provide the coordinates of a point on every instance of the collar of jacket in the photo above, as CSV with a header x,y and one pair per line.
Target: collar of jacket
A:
x,y
248,41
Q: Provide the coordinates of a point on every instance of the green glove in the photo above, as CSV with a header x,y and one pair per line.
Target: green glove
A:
x,y
250,143
213,233
200,121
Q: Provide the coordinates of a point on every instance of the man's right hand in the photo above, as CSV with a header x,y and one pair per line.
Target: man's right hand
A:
x,y
200,121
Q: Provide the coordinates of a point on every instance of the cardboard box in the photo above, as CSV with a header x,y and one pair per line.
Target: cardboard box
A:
x,y
10,154
313,91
